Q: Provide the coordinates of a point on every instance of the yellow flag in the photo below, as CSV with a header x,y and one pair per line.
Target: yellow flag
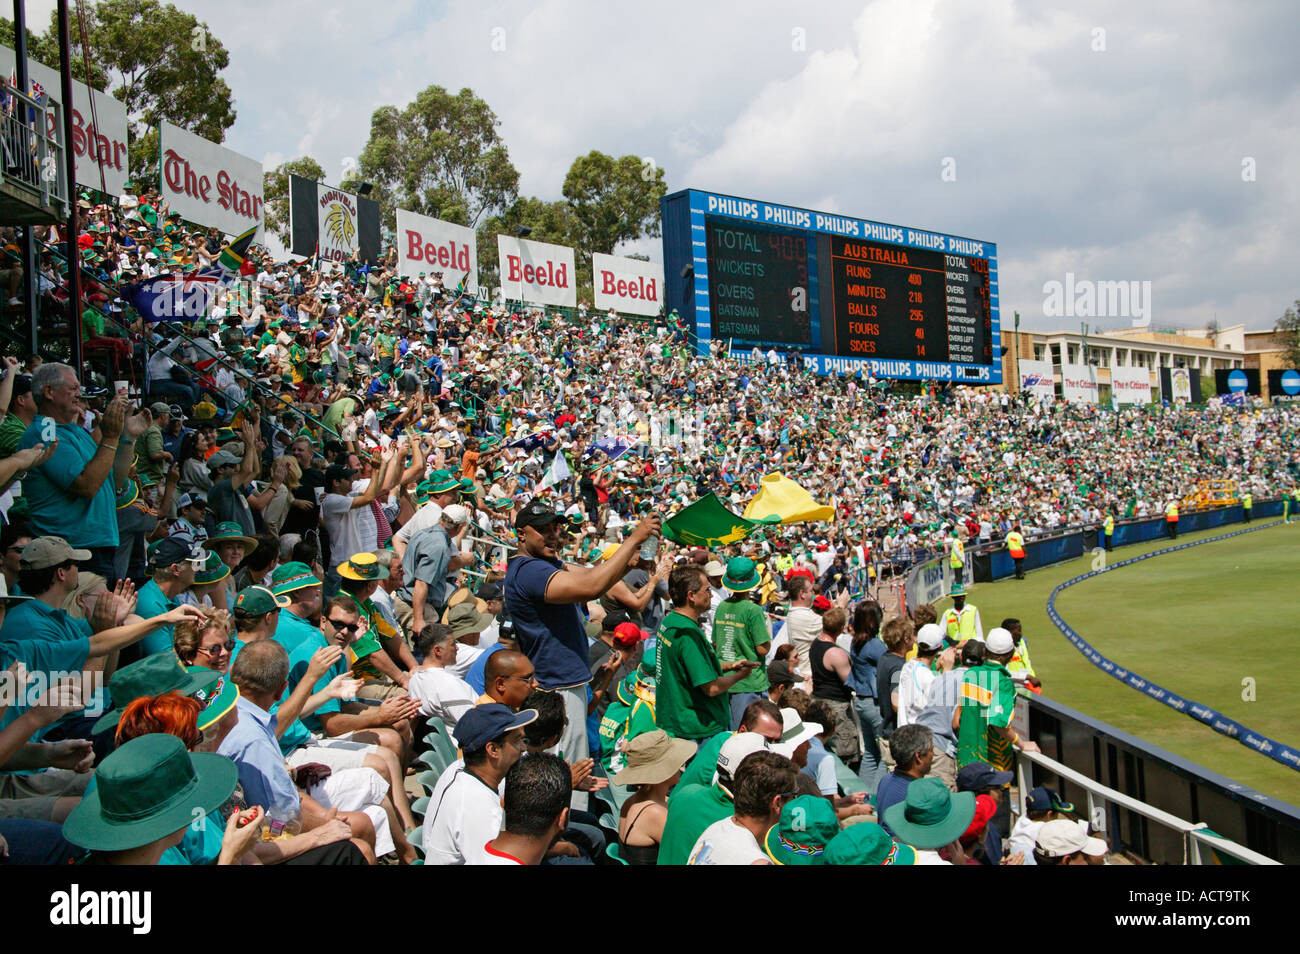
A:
x,y
779,496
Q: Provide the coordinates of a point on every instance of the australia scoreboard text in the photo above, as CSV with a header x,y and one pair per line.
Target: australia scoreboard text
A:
x,y
846,294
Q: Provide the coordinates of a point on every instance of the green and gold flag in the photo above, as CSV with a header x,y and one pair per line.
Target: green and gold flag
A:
x,y
707,523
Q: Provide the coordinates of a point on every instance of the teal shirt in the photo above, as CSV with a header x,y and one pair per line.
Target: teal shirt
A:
x,y
298,662
202,847
53,510
292,630
40,655
151,601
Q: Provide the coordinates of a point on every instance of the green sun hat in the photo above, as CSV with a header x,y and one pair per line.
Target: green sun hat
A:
x,y
257,600
742,575
289,577
442,481
128,495
228,532
213,570
147,789
500,503
807,825
152,676
867,844
467,487
216,700
931,816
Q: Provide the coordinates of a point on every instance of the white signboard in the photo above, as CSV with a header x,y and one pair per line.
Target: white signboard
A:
x,y
99,136
627,285
210,184
1079,383
537,272
336,217
432,245
1036,378
1130,385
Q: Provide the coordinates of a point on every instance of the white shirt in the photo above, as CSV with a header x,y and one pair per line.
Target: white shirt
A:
x,y
465,656
442,694
344,525
803,626
726,843
463,816
914,681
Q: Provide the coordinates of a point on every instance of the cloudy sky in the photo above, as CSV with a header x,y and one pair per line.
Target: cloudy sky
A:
x,y
1150,142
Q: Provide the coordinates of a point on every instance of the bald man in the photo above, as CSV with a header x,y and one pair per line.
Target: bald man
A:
x,y
508,678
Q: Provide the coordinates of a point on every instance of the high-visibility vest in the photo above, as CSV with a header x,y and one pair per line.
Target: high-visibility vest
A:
x,y
959,626
1247,500
1016,544
1110,524
958,557
1171,513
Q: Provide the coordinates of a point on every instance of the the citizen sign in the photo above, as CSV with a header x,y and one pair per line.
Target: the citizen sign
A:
x,y
209,184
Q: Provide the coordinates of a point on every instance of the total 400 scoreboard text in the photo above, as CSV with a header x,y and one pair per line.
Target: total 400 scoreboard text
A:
x,y
845,293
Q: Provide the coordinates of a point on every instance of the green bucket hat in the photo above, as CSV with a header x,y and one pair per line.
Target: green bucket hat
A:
x,y
147,789
742,575
362,566
442,481
217,700
213,570
931,816
807,825
867,844
230,532
467,488
289,577
152,676
958,589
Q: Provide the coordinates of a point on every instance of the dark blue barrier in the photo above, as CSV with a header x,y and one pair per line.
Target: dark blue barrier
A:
x,y
1038,553
1277,751
990,565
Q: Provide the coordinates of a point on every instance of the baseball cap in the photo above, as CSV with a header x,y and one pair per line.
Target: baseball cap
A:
x,y
821,603
482,724
980,775
629,634
191,500
1062,837
491,591
999,640
1043,799
338,472
258,601
456,513
929,636
780,674
536,514
735,749
45,552
175,550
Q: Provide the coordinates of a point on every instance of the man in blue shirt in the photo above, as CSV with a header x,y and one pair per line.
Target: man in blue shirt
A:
x,y
912,747
73,493
544,596
432,555
300,617
173,565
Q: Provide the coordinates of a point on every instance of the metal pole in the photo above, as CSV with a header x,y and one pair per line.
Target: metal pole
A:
x,y
74,254
29,292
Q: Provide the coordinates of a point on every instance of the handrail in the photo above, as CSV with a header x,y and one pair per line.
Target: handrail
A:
x,y
33,157
1193,834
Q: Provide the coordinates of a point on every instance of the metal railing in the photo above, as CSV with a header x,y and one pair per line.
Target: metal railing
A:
x,y
1194,835
32,157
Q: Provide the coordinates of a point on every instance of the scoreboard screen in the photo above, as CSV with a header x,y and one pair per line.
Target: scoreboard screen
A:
x,y
841,292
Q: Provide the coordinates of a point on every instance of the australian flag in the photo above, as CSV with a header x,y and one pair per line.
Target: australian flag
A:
x,y
175,297
532,442
613,447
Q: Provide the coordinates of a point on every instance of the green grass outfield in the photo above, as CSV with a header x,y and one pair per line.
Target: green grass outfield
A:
x,y
1197,622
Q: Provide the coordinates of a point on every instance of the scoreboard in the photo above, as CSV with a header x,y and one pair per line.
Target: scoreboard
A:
x,y
845,293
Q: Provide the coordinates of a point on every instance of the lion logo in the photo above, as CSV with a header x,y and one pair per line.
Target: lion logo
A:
x,y
339,227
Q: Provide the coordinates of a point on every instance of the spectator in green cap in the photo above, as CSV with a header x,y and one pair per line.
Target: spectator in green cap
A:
x,y
741,632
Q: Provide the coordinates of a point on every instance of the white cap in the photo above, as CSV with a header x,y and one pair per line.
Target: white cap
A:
x,y
999,641
929,636
456,513
1064,836
735,749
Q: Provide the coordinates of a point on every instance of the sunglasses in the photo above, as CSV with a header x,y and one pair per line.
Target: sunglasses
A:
x,y
345,627
227,646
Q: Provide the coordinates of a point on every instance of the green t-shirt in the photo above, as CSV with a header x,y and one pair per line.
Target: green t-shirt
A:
x,y
622,722
152,444
686,662
334,414
691,809
92,324
11,431
738,627
988,698
705,763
